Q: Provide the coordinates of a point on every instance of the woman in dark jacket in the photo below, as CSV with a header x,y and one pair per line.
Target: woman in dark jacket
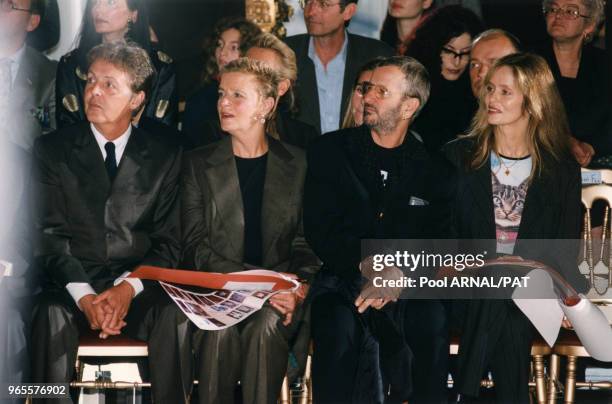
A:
x,y
580,71
110,21
242,208
442,44
516,181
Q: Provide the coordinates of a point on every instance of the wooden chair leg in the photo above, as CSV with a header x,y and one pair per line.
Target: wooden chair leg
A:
x,y
570,382
285,395
553,376
538,365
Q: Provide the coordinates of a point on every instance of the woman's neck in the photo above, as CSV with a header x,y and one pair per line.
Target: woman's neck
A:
x,y
568,57
250,145
111,37
406,26
512,141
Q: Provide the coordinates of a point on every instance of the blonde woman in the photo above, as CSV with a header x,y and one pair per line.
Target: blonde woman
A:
x,y
242,207
273,52
516,180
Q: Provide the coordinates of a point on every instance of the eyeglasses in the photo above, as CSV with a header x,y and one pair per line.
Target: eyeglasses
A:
x,y
9,5
570,12
323,4
380,92
449,52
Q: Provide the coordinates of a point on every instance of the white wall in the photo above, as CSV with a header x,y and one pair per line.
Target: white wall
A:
x,y
71,16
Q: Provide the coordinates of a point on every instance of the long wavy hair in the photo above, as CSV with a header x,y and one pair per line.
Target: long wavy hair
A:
x,y
548,132
248,32
442,25
137,34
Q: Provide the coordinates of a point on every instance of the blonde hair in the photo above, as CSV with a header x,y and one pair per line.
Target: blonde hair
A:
x,y
288,70
548,130
266,78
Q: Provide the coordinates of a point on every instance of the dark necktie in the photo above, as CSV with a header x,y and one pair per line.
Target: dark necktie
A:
x,y
111,160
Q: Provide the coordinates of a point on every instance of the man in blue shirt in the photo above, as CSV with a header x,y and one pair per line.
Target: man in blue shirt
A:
x,y
328,59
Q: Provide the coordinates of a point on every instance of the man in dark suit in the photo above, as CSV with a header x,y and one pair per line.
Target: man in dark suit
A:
x,y
329,59
109,196
27,77
375,181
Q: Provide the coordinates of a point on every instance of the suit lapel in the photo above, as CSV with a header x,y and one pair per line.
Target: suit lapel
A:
x,y
134,157
481,187
534,205
222,177
279,187
308,87
87,163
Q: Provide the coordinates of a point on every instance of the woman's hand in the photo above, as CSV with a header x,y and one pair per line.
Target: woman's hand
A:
x,y
285,302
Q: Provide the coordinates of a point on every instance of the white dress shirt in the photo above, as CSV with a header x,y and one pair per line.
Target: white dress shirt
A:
x,y
79,289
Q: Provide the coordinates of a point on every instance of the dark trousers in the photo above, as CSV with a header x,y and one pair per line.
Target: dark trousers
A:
x,y
254,352
151,317
407,341
495,336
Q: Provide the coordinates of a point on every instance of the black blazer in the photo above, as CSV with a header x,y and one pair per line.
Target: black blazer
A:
x,y
552,209
92,230
344,203
162,101
360,50
213,218
290,131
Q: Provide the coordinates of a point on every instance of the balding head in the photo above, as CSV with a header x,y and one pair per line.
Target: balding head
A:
x,y
486,49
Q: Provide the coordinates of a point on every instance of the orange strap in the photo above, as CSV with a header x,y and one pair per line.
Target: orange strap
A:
x,y
209,280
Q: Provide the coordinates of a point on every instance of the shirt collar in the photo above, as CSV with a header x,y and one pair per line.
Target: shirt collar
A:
x,y
120,142
342,54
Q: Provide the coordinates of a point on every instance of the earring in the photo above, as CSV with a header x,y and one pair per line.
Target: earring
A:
x,y
262,120
587,37
130,24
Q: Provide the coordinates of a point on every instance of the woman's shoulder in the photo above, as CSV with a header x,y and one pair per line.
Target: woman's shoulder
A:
x,y
458,150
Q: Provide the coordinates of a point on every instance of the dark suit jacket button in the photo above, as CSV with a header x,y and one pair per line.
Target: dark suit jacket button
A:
x,y
381,215
109,235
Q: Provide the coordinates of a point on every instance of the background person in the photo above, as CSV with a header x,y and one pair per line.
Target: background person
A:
x,y
107,21
230,39
328,59
442,44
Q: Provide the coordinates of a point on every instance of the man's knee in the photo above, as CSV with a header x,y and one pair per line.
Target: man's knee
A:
x,y
333,317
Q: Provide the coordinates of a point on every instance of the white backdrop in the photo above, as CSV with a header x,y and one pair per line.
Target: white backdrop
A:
x,y
71,14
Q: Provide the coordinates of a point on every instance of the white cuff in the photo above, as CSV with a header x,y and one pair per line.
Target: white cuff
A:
x,y
135,282
79,289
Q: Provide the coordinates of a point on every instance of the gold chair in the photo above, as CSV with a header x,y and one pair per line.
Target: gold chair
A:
x,y
598,186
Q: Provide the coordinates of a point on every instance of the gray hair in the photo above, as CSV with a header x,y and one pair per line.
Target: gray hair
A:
x,y
496,33
416,78
129,58
596,9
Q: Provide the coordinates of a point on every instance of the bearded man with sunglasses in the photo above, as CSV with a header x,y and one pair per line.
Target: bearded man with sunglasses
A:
x,y
375,181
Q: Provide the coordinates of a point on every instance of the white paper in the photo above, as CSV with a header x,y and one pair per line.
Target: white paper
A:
x,y
592,328
545,314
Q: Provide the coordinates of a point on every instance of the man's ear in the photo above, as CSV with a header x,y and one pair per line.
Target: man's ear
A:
x,y
137,101
33,22
349,11
409,108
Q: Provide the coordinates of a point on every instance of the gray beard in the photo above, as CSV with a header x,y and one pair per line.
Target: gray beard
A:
x,y
386,123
